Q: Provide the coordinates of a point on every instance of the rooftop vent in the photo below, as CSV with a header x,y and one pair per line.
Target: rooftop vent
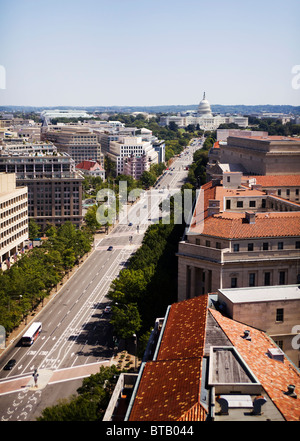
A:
x,y
258,402
246,335
276,354
291,391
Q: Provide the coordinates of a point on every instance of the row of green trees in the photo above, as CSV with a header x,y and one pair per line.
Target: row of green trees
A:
x,y
94,185
274,126
143,290
197,171
32,277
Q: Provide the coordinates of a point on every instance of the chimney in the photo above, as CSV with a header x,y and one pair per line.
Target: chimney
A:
x,y
213,207
250,217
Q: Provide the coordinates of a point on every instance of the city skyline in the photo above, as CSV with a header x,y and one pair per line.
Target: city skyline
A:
x,y
139,54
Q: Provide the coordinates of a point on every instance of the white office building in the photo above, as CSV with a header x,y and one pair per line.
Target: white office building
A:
x,y
131,146
14,218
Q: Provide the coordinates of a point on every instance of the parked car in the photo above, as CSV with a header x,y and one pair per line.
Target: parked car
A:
x,y
110,248
9,365
107,310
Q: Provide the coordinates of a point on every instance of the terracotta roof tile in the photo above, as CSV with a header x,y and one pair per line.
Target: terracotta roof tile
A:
x,y
276,180
274,375
185,331
169,391
234,225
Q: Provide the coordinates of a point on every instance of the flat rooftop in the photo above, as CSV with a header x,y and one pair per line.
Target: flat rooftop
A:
x,y
262,293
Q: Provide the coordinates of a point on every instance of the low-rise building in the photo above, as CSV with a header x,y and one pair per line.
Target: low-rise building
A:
x,y
205,367
91,168
273,309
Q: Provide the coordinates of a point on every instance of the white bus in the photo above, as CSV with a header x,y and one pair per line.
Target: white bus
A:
x,y
31,334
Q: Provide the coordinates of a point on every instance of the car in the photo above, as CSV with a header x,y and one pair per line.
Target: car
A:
x,y
107,310
110,248
9,365
130,224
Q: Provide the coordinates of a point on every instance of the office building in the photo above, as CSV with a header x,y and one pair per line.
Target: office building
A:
x,y
13,218
126,147
54,185
257,155
79,143
237,239
273,309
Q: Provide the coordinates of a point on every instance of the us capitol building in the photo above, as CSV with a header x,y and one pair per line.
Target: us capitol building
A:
x,y
203,117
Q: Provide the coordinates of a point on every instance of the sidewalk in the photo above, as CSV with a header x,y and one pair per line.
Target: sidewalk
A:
x,y
48,377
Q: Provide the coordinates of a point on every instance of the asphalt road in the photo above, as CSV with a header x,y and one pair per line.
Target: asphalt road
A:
x,y
76,332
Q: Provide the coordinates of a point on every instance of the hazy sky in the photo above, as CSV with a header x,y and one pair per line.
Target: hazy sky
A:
x,y
154,52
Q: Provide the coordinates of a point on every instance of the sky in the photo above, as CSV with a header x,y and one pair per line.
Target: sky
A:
x,y
148,52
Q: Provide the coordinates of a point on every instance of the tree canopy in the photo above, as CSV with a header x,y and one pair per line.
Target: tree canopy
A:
x,y
31,278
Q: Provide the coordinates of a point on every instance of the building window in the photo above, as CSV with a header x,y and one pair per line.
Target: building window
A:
x,y
265,246
252,279
288,192
252,204
236,247
197,241
279,315
228,178
281,277
218,245
279,192
239,204
228,204
250,246
267,279
297,191
263,203
207,243
280,245
279,343
297,245
233,282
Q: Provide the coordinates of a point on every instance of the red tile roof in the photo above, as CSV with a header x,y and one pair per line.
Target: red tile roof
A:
x,y
89,165
274,375
234,225
169,391
170,386
276,180
185,332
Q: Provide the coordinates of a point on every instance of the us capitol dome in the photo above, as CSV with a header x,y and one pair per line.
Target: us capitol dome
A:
x,y
203,117
204,108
